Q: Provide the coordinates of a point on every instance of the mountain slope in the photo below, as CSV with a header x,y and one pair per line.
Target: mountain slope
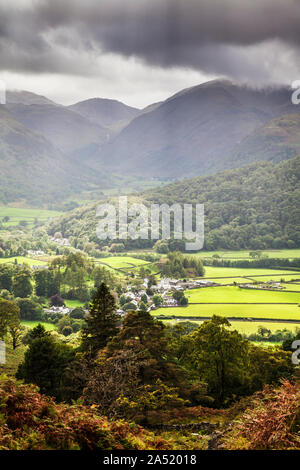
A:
x,y
27,162
66,130
104,112
194,131
254,207
26,97
278,139
33,170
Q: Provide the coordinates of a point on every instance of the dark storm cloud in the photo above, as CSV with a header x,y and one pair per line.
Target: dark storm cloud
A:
x,y
232,37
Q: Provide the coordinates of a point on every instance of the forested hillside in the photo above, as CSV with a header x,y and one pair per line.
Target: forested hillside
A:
x,y
254,207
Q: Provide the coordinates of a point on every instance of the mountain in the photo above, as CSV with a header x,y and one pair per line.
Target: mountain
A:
x,y
278,139
34,171
195,131
65,129
105,113
26,97
253,207
27,162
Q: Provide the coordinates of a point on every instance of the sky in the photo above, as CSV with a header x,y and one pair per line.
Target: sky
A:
x,y
143,51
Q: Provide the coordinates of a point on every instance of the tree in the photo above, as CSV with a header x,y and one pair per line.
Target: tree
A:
x,y
38,331
269,366
67,330
77,313
22,286
57,301
129,306
44,364
143,307
15,332
157,300
101,322
220,357
180,297
47,282
132,375
9,313
30,310
6,275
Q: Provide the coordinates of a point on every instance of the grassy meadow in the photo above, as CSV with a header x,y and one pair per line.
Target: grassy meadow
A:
x,y
122,262
23,260
234,294
33,324
239,255
250,327
215,272
17,215
267,311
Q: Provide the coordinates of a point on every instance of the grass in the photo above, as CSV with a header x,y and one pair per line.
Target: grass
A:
x,y
74,303
23,260
234,294
291,286
214,272
272,312
13,359
16,215
120,262
283,254
248,327
33,324
285,277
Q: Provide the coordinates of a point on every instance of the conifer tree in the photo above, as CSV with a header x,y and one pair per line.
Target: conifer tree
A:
x,y
101,322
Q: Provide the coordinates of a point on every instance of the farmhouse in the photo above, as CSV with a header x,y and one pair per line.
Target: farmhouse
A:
x,y
61,310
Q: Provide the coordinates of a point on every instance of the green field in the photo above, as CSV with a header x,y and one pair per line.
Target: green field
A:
x,y
248,327
33,324
235,294
74,303
16,215
23,260
284,276
214,272
122,262
291,286
283,254
276,312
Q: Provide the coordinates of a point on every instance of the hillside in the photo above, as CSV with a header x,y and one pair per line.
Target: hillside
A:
x,y
31,421
65,129
26,97
26,161
194,131
95,144
255,207
33,170
35,422
278,139
105,113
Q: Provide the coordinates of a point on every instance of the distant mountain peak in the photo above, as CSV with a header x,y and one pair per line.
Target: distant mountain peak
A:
x,y
105,112
27,98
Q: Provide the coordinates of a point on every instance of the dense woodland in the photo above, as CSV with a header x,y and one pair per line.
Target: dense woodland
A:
x,y
254,207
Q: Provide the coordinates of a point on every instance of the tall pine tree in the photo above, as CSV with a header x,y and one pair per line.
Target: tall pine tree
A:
x,y
101,323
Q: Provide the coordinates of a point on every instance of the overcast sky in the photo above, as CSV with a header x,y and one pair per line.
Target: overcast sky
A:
x,y
142,51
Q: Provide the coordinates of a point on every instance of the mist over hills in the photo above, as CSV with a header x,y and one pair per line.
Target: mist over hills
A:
x,y
200,130
65,129
195,131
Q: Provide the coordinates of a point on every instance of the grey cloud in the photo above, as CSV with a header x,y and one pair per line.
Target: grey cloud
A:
x,y
237,38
